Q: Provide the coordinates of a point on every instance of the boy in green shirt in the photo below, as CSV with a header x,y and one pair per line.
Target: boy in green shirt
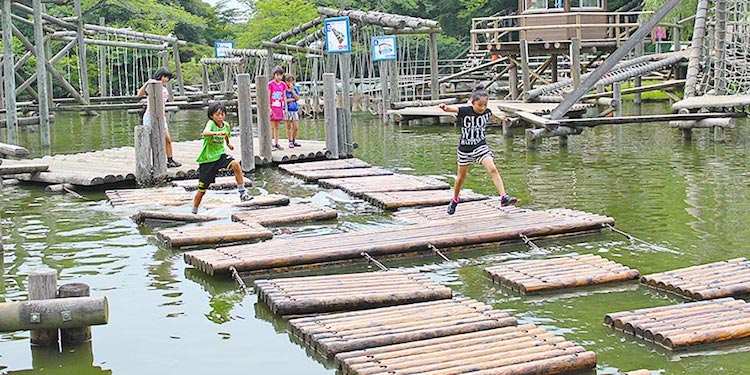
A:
x,y
214,157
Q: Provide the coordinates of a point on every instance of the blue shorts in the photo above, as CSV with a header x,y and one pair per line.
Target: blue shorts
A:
x,y
147,122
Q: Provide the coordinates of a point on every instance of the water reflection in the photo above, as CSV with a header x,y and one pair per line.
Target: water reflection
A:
x,y
50,360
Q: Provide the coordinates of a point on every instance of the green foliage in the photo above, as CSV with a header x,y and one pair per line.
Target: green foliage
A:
x,y
272,17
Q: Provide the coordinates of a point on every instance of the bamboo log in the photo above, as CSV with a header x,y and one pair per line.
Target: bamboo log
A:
x,y
708,336
13,150
22,168
609,319
142,216
677,312
51,314
365,301
699,326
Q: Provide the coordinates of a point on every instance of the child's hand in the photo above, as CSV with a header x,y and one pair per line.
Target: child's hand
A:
x,y
230,146
442,106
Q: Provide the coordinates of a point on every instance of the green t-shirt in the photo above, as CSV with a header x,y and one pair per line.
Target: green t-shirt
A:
x,y
213,146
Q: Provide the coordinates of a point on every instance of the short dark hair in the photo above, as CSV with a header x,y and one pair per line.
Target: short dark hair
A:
x,y
277,70
162,72
215,107
288,78
479,92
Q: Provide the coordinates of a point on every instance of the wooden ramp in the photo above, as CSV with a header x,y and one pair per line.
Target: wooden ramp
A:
x,y
343,332
409,239
214,234
321,294
286,215
358,186
523,349
318,174
464,211
221,183
173,196
532,276
686,325
393,200
324,165
714,280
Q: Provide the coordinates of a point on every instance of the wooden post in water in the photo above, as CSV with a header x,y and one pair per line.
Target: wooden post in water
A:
x,y
204,73
554,68
102,66
340,126
178,67
617,98
143,164
42,285
84,70
383,69
158,145
74,336
513,81
434,79
637,81
9,77
525,71
165,63
41,75
575,62
245,114
393,74
264,118
346,148
329,97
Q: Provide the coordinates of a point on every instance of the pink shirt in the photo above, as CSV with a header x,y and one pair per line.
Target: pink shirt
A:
x,y
276,93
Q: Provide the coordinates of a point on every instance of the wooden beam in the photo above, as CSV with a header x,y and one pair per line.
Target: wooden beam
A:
x,y
13,150
82,64
41,73
9,77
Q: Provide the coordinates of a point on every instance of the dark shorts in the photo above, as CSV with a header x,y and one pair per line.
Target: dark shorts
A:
x,y
207,171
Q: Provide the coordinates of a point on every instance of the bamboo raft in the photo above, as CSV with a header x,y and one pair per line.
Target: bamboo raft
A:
x,y
324,164
714,280
145,215
465,211
358,186
417,239
286,215
322,294
221,183
214,234
170,196
558,273
523,349
343,332
318,174
686,325
393,200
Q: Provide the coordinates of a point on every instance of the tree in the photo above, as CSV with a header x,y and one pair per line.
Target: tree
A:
x,y
272,17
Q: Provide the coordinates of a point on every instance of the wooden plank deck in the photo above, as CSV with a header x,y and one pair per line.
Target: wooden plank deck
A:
x,y
324,164
393,200
686,325
170,196
464,211
410,239
523,349
508,107
286,215
321,294
118,164
358,186
712,101
214,234
342,332
729,278
533,276
315,175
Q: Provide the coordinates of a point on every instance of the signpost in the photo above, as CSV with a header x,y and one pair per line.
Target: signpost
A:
x,y
338,37
221,47
383,48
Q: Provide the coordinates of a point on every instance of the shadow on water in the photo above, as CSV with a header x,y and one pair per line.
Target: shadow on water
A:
x,y
62,362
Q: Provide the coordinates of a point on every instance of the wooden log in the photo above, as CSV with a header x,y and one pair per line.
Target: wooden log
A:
x,y
74,336
264,117
705,123
53,314
246,122
638,372
13,150
156,133
331,123
22,168
733,332
143,161
142,216
58,188
42,286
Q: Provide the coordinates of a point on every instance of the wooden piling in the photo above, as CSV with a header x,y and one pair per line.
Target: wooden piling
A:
x,y
525,70
82,63
102,56
41,76
513,81
575,62
617,98
638,52
9,77
264,117
329,98
383,71
74,336
156,133
143,161
245,111
42,286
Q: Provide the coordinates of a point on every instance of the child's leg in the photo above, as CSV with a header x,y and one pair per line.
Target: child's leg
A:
x,y
289,130
197,200
295,127
489,164
275,131
463,170
235,165
168,143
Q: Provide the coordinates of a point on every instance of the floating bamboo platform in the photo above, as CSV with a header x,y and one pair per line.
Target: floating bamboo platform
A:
x,y
414,239
465,211
393,200
343,332
714,280
170,196
523,349
221,183
712,101
286,215
318,174
358,186
324,164
533,276
214,234
322,294
117,165
686,325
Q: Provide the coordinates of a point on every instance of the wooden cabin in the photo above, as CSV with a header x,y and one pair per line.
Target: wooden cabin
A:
x,y
578,16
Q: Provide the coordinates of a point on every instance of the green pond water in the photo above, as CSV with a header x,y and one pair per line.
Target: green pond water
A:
x,y
687,200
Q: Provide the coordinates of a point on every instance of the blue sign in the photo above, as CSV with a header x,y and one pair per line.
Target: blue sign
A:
x,y
338,37
383,48
221,47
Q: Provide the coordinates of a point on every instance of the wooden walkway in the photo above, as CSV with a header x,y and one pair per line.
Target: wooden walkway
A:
x,y
177,196
321,294
359,186
497,106
343,332
686,325
465,211
451,234
221,183
214,234
714,280
533,276
118,164
324,165
523,349
286,215
392,200
315,175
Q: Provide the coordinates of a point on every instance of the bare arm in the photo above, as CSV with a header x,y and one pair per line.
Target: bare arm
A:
x,y
142,90
448,108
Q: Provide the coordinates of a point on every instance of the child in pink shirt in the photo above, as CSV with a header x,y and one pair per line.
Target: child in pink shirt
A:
x,y
277,88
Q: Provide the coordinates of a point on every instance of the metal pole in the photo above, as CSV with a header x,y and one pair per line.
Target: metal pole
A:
x,y
245,113
613,59
41,72
9,77
82,54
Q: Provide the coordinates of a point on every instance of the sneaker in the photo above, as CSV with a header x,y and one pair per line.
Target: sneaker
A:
x,y
452,207
244,196
291,144
171,163
296,144
507,200
276,147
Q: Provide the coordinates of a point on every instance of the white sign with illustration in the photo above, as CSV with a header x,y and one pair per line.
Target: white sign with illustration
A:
x,y
338,37
383,48
221,47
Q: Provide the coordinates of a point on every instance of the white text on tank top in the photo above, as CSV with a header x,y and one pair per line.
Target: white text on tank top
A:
x,y
473,128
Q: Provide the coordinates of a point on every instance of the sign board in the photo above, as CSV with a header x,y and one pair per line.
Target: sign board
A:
x,y
221,47
383,48
338,37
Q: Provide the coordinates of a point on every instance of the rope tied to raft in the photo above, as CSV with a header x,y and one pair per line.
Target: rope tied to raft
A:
x,y
374,261
436,251
527,241
238,279
73,193
634,239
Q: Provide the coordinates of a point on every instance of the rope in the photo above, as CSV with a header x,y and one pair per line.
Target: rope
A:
x,y
527,241
238,279
374,261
